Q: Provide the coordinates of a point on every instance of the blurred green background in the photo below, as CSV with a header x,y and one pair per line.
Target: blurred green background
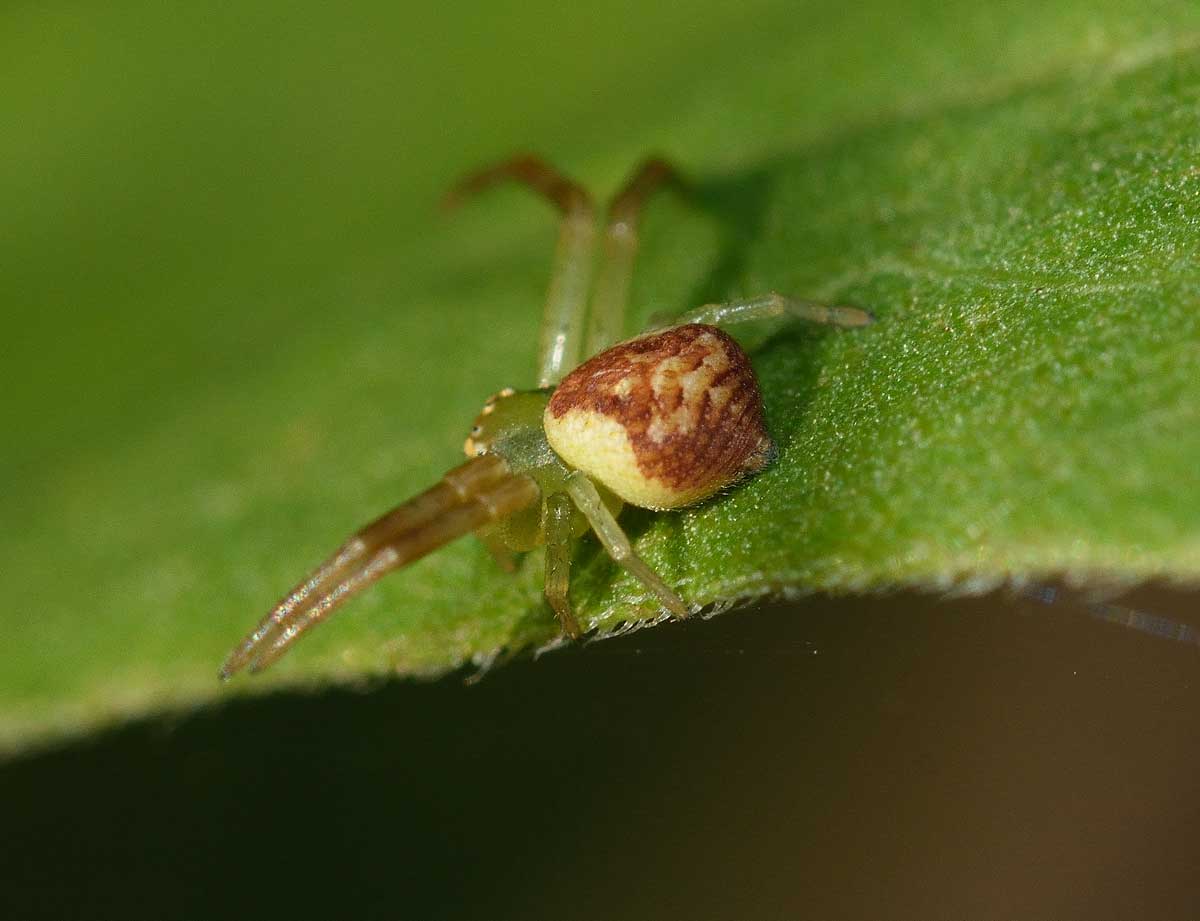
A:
x,y
226,280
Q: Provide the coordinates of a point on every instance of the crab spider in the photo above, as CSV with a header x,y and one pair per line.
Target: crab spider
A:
x,y
660,421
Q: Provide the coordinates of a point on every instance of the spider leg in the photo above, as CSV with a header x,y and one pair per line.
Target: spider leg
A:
x,y
771,306
583,493
470,496
607,319
505,558
557,517
454,487
566,301
504,498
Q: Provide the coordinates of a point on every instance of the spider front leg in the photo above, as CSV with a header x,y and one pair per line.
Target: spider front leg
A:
x,y
566,300
556,517
607,320
773,306
502,555
471,496
586,498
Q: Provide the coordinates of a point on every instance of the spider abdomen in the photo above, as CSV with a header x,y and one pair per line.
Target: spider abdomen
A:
x,y
664,420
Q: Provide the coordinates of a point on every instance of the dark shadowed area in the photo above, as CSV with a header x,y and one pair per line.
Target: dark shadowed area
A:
x,y
987,758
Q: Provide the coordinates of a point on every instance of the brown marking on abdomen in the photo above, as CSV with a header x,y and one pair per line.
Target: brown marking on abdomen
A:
x,y
660,389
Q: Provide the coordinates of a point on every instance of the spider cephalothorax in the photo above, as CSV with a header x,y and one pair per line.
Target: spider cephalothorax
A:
x,y
664,420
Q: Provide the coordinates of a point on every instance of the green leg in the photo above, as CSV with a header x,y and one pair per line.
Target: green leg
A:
x,y
556,514
773,306
607,321
583,493
505,558
566,301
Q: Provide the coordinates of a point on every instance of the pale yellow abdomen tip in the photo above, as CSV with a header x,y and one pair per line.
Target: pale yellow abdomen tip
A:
x,y
664,420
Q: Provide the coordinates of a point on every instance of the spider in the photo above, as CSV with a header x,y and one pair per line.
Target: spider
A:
x,y
661,421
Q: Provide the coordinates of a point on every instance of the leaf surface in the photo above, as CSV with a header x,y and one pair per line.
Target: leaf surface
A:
x,y
240,329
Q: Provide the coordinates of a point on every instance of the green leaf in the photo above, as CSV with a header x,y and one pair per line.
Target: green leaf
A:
x,y
238,328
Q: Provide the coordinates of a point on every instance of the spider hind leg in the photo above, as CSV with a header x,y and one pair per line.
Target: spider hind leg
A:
x,y
776,306
607,319
566,299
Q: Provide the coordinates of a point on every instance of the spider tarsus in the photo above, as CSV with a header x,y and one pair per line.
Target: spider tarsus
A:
x,y
678,609
653,173
530,170
572,629
452,200
852,316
